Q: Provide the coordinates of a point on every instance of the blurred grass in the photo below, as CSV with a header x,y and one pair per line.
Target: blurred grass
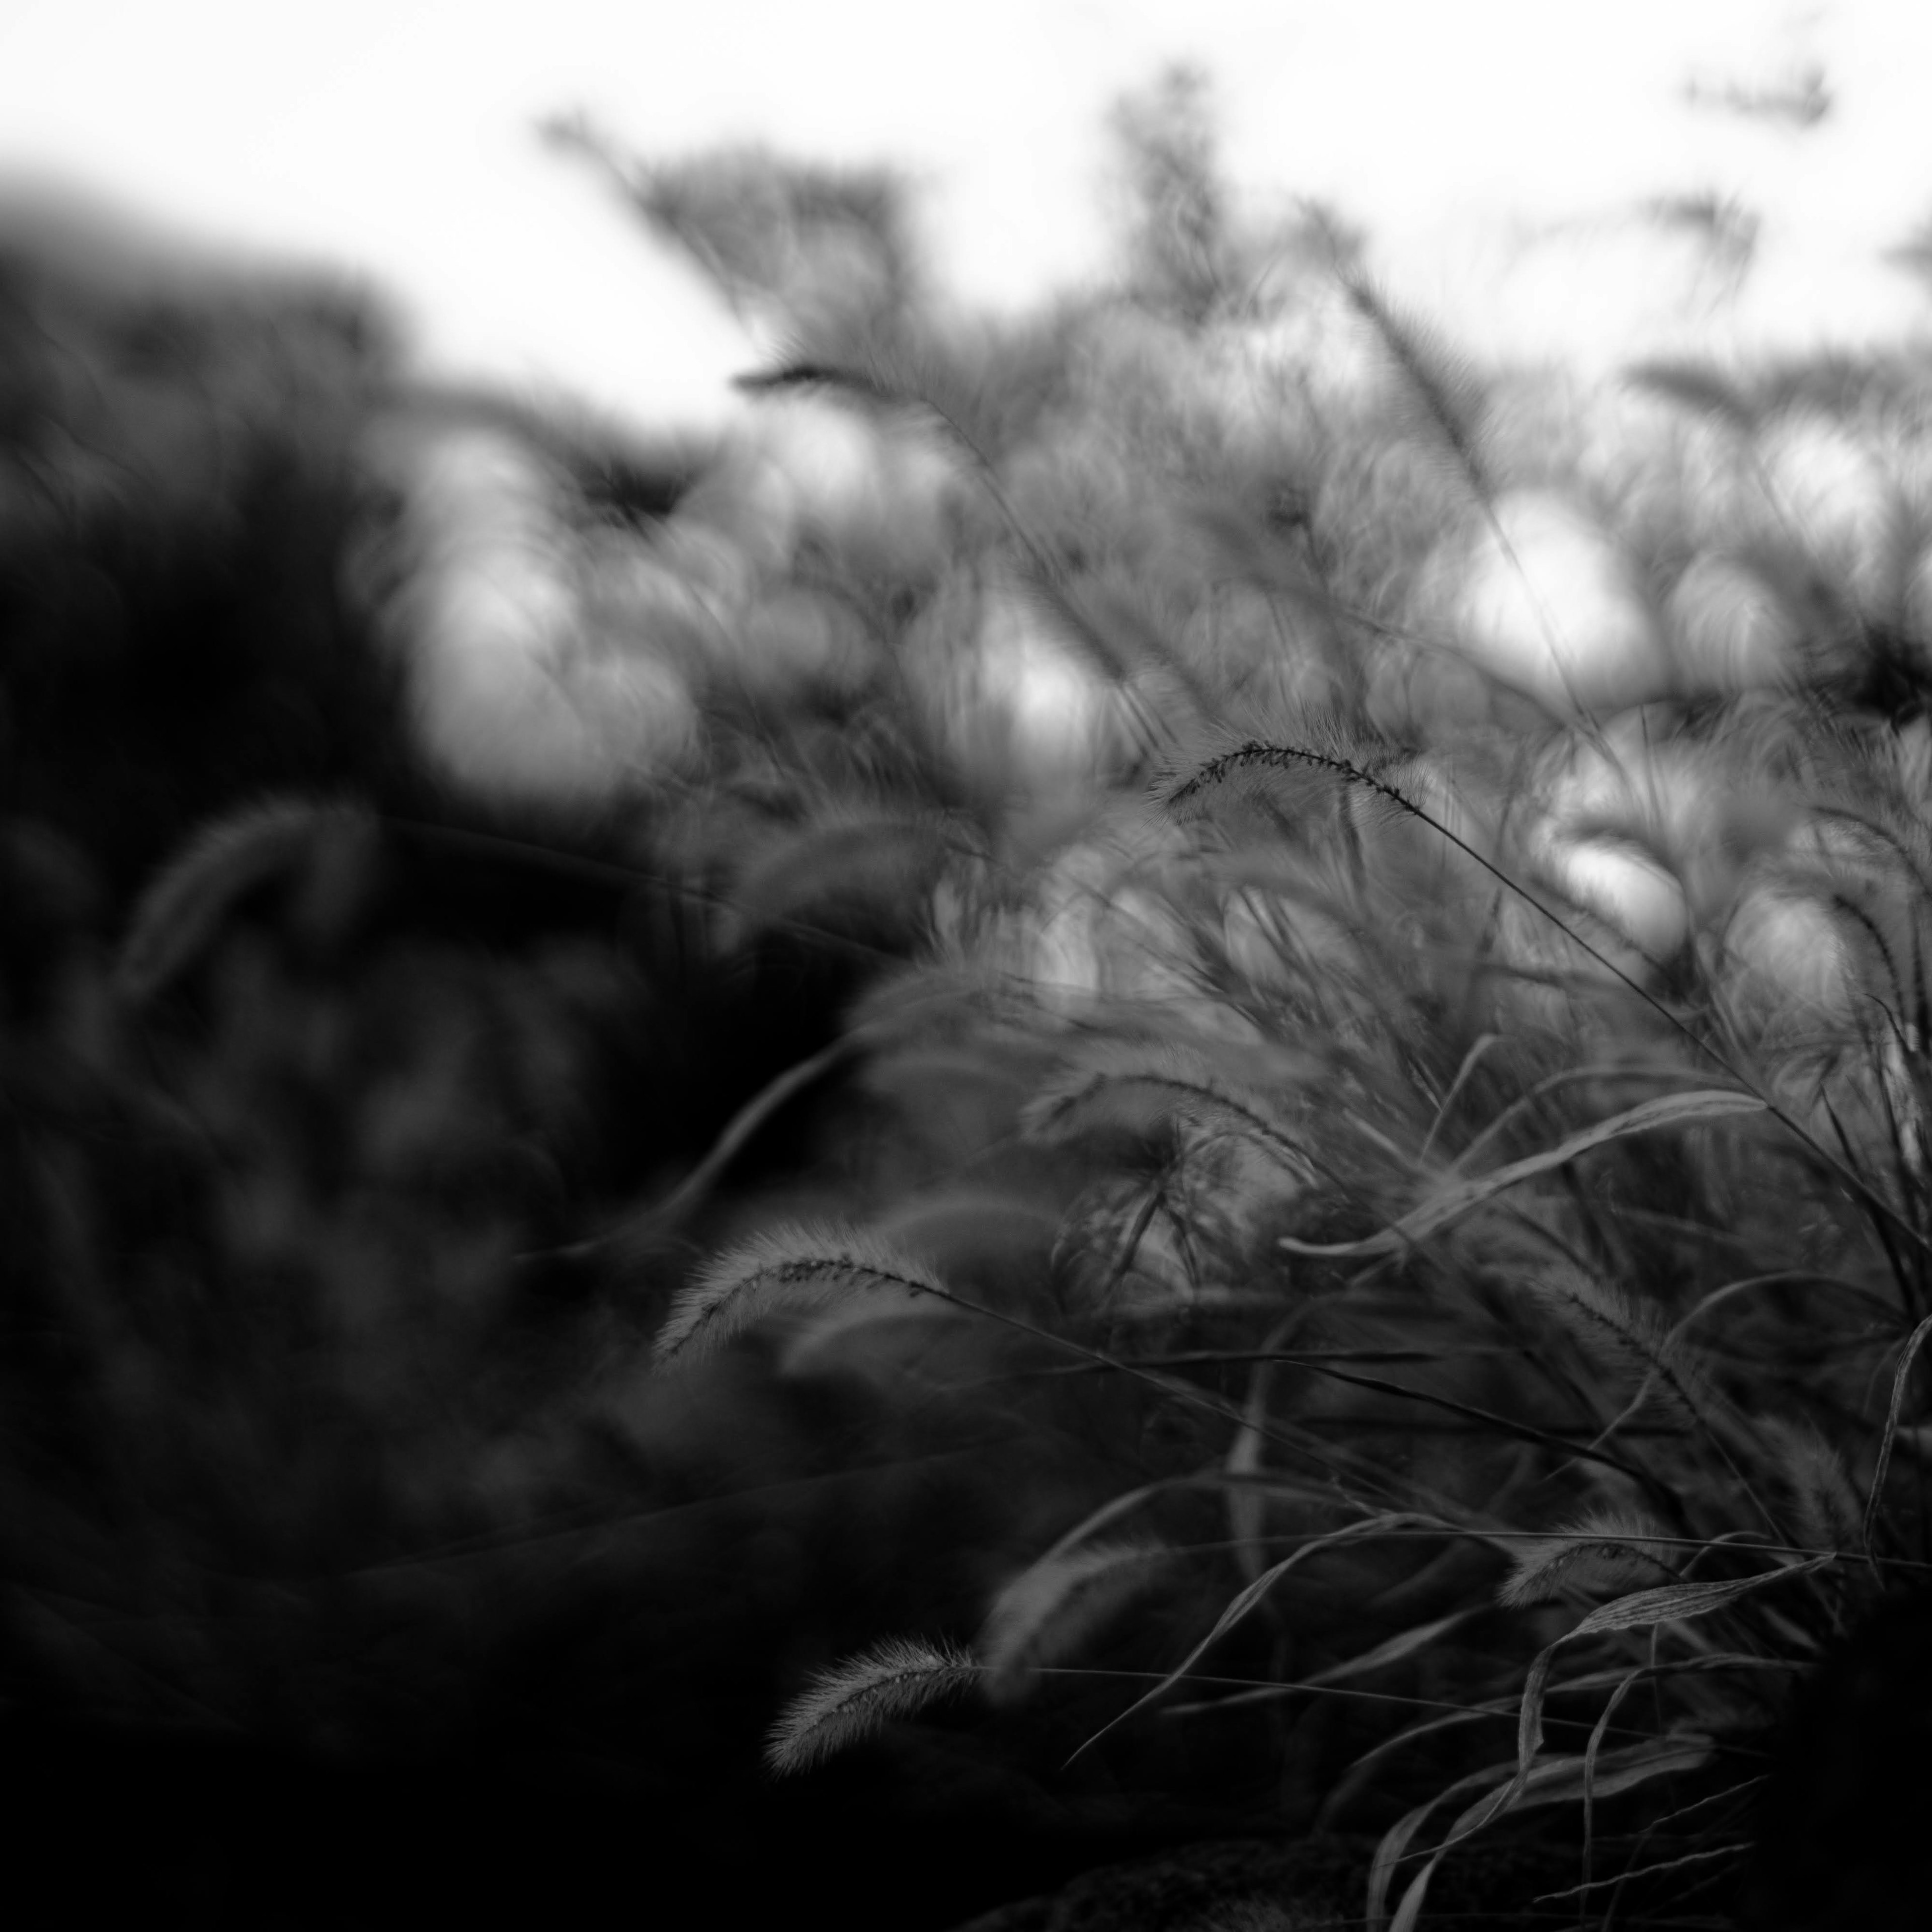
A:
x,y
1353,925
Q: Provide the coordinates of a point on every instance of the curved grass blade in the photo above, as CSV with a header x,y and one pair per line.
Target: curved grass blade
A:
x,y
1901,1375
1669,1110
1555,1782
1246,1600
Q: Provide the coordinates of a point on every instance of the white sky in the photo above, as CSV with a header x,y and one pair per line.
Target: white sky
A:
x,y
396,136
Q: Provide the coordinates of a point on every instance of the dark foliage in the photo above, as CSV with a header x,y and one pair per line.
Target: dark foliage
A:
x,y
1841,1843
300,1202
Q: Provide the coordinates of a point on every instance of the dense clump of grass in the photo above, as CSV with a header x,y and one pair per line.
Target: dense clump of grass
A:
x,y
1533,1275
1413,1130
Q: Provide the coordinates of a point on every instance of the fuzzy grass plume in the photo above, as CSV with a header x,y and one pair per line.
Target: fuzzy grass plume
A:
x,y
1608,1548
791,1269
1054,1606
853,1701
180,913
1140,1088
1441,396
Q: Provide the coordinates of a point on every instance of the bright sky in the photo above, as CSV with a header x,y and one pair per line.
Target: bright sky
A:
x,y
396,136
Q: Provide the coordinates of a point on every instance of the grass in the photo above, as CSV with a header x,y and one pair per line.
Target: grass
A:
x,y
1385,1161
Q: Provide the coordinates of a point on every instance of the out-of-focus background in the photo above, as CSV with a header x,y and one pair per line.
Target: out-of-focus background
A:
x,y
1569,179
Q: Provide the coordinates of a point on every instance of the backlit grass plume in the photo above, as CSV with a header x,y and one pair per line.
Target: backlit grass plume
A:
x,y
1824,1506
1293,779
1438,392
1608,1550
853,1701
1626,1342
791,1269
